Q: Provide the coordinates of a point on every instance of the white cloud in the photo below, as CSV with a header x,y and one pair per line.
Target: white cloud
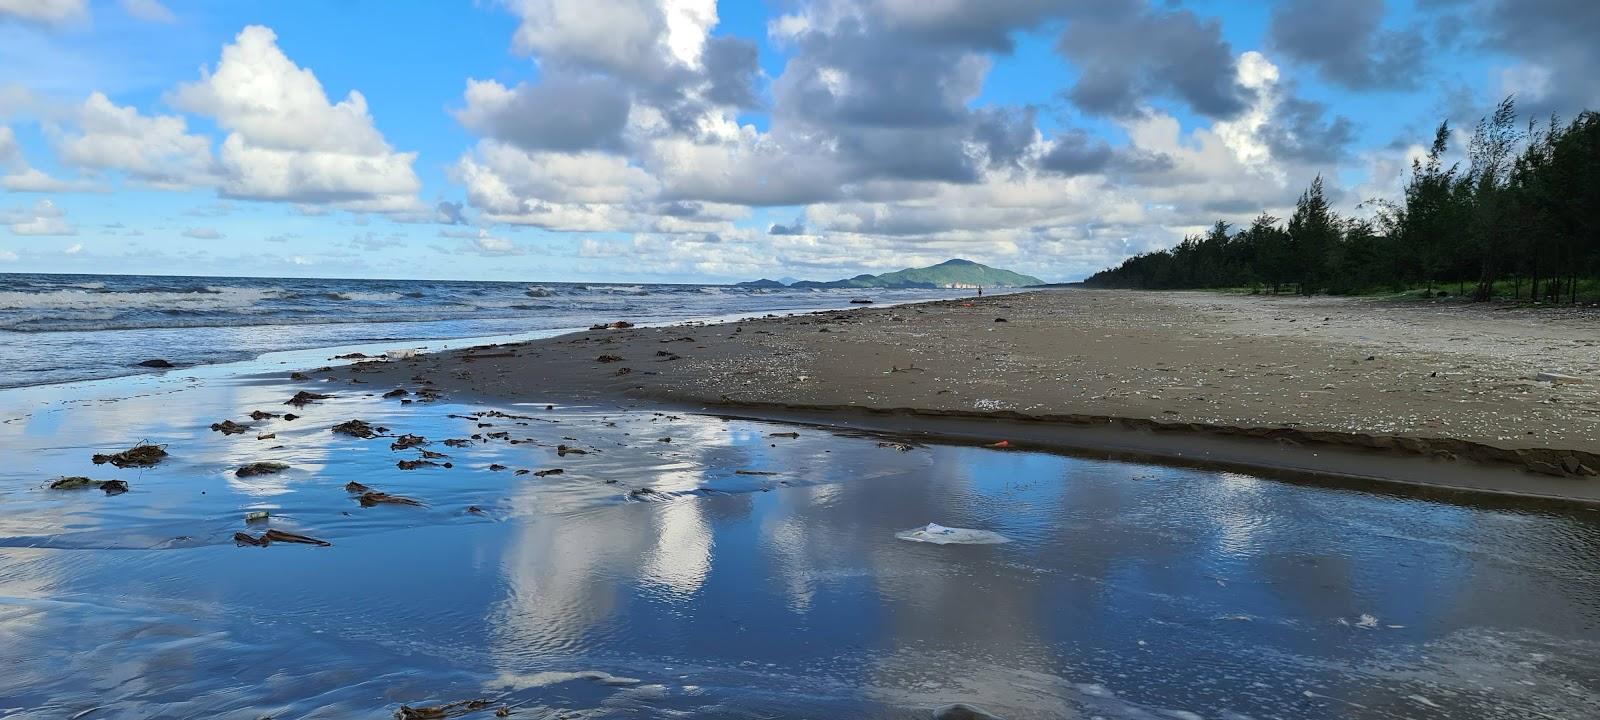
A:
x,y
49,12
74,249
17,176
157,151
149,11
203,233
44,218
7,256
287,142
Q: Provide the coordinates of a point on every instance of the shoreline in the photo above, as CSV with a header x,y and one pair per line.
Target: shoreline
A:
x,y
769,367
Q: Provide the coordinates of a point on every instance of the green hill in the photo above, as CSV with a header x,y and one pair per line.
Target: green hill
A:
x,y
950,273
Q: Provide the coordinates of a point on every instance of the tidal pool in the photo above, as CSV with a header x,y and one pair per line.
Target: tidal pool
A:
x,y
732,573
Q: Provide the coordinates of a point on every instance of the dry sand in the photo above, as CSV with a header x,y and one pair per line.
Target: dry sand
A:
x,y
1446,381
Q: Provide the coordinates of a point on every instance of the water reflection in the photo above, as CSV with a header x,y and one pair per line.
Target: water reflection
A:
x,y
1129,591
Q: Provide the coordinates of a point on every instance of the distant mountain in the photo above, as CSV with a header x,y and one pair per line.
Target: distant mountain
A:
x,y
948,274
762,283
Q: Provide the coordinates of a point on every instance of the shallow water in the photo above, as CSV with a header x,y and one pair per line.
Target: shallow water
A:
x,y
61,328
1126,591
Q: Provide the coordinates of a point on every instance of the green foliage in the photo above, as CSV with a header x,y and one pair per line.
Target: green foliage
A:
x,y
1522,220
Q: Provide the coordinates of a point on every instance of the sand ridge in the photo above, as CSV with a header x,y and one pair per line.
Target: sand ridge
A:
x,y
1443,378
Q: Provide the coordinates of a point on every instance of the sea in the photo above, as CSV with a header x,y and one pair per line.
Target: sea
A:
x,y
63,328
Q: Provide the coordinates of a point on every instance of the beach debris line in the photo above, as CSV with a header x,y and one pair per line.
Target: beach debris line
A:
x,y
937,534
272,536
260,468
142,455
434,712
304,398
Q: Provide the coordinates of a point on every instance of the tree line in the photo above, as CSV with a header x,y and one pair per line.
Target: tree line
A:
x,y
1520,219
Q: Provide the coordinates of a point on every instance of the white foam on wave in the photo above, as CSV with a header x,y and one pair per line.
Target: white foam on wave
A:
x,y
218,298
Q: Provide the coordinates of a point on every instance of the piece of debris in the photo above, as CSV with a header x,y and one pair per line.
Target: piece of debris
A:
x,y
358,428
474,510
397,392
496,467
902,447
157,363
114,487
564,450
665,439
431,455
267,436
624,371
272,536
373,497
644,493
458,442
298,376
355,487
260,468
753,472
303,398
860,301
433,712
548,473
256,516
784,434
680,339
260,415
71,483
351,356
1555,378
941,535
229,427
414,464
608,359
405,354
141,455
290,416
407,441
1001,444
1001,320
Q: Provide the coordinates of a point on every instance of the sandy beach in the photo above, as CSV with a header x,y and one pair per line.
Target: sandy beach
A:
x,y
1236,379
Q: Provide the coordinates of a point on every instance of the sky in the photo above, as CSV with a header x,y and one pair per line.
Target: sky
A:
x,y
704,141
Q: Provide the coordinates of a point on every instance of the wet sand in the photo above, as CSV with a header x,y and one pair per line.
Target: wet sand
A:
x,y
1351,384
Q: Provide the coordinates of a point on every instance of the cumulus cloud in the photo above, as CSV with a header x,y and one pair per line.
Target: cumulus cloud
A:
x,y
1347,43
157,151
287,142
43,218
17,176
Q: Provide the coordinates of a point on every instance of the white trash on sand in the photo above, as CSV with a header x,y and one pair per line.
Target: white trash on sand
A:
x,y
941,535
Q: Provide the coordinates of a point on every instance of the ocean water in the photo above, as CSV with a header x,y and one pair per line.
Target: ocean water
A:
x,y
734,573
60,328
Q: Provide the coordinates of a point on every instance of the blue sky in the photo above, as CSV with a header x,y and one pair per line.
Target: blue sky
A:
x,y
688,140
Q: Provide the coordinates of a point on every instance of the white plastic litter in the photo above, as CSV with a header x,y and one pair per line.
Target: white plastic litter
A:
x,y
401,354
941,535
